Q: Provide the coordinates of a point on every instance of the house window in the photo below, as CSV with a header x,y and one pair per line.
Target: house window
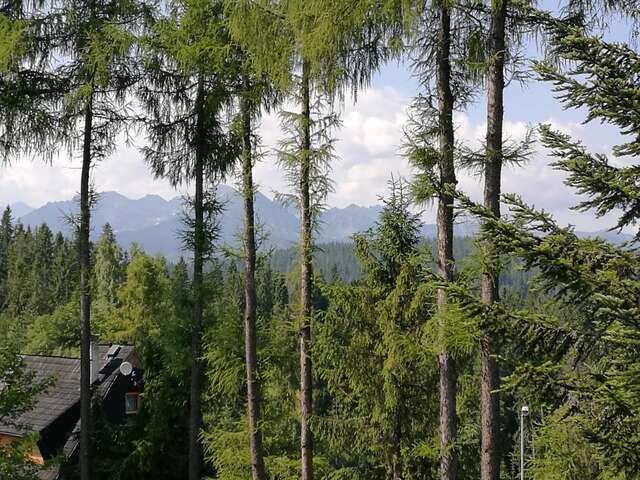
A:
x,y
132,403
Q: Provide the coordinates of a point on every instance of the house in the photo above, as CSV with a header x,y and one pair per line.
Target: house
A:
x,y
115,379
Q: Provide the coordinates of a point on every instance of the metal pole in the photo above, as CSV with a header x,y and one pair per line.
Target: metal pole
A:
x,y
524,411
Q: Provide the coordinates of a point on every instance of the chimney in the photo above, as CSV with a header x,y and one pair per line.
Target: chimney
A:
x,y
94,361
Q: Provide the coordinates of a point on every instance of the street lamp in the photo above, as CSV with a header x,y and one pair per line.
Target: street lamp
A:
x,y
524,411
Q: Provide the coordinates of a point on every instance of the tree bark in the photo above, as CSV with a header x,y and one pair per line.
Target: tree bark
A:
x,y
444,240
250,347
195,412
85,297
306,398
489,398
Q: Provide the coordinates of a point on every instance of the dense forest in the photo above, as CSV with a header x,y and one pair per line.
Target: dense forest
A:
x,y
393,357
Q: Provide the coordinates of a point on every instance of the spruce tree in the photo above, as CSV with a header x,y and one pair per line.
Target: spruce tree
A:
x,y
42,300
579,367
19,271
108,267
6,237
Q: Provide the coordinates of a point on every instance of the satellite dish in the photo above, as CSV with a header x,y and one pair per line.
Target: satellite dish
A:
x,y
126,369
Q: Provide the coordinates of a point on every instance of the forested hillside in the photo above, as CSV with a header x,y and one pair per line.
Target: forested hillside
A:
x,y
407,352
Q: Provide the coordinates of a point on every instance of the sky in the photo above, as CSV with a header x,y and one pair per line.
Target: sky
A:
x,y
368,151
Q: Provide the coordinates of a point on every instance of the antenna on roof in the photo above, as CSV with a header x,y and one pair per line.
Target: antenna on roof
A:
x,y
126,369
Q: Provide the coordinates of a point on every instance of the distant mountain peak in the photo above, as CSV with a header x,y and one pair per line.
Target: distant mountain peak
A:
x,y
154,223
18,209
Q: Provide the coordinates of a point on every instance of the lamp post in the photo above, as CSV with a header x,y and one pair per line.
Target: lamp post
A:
x,y
524,411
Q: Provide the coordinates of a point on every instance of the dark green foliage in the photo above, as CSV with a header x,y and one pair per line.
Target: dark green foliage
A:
x,y
575,358
566,321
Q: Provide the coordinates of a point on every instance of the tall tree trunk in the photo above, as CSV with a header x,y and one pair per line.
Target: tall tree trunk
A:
x,y
306,273
489,399
448,374
195,412
85,297
250,348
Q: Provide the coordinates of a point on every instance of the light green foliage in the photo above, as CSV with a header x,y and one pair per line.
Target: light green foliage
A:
x,y
454,331
144,301
152,312
368,350
56,333
97,66
563,452
12,46
225,437
191,74
320,154
109,267
195,37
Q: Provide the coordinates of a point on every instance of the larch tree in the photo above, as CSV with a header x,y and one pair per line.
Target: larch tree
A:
x,y
30,90
489,375
444,49
312,50
339,45
96,43
247,115
246,21
191,79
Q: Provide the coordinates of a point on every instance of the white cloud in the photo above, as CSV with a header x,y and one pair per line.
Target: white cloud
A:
x,y
368,148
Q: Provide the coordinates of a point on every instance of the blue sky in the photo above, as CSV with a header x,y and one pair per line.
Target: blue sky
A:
x,y
368,150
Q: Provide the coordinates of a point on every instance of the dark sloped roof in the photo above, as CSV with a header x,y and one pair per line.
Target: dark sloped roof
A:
x,y
51,473
64,393
56,399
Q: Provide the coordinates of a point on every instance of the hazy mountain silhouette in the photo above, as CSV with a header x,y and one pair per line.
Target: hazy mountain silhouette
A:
x,y
155,223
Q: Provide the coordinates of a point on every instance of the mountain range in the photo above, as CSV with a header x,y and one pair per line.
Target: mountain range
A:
x,y
155,223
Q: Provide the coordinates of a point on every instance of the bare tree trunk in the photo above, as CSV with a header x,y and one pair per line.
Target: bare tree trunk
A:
x,y
489,399
444,241
306,398
85,297
195,412
250,348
